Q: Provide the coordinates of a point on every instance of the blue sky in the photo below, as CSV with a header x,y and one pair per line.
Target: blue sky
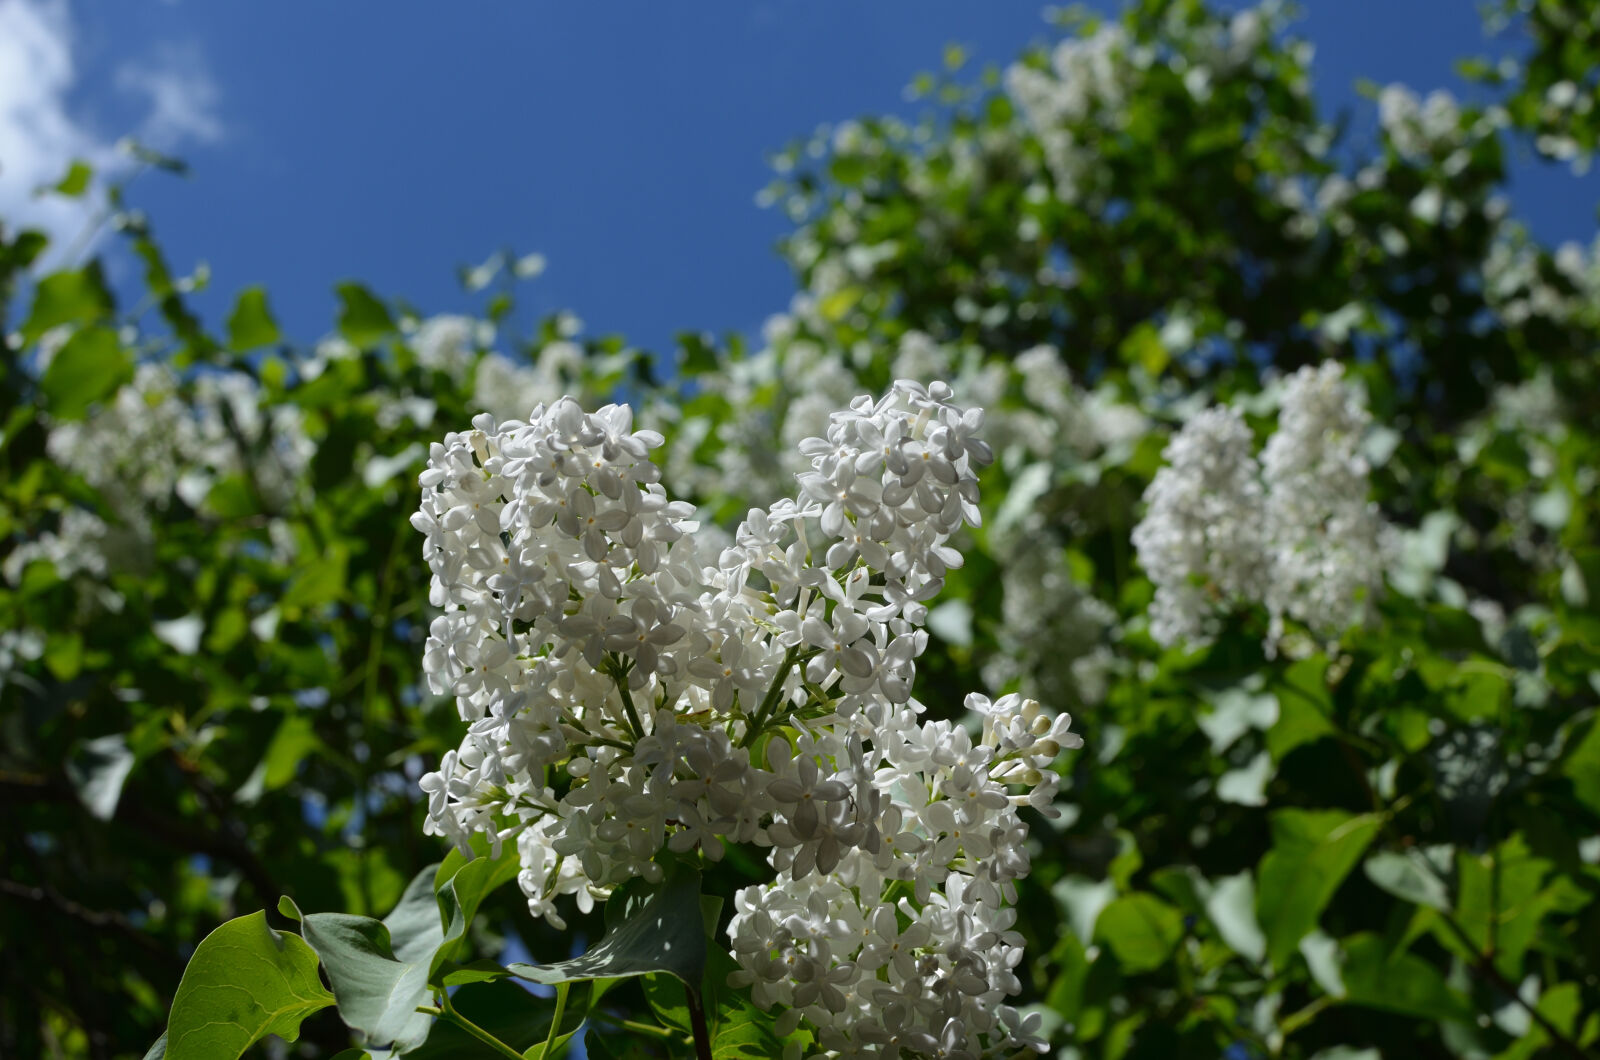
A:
x,y
391,143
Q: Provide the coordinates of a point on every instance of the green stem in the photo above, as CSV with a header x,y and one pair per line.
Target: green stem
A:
x,y
619,676
610,1019
644,1028
769,702
1294,1021
555,1021
448,1011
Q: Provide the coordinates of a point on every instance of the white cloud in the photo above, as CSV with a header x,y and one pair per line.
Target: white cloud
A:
x,y
183,98
40,136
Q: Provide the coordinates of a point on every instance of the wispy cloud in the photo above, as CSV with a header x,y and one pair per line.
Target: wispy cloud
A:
x,y
38,136
181,94
41,135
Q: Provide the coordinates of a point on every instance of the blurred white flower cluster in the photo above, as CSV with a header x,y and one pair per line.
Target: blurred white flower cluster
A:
x,y
630,687
1082,97
147,445
1294,532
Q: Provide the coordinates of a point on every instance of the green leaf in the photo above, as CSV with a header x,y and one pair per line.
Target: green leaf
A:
x,y
1235,711
661,932
319,581
1143,347
1322,959
1232,909
1479,694
251,325
835,305
294,740
244,982
1582,767
231,497
667,999
452,974
1304,708
1399,982
1141,930
1409,877
381,970
745,1033
460,886
1312,852
363,320
90,366
1561,1006
75,297
377,993
76,182
1500,901
416,924
63,654
699,356
98,772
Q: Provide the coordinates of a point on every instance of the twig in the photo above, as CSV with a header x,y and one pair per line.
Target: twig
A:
x,y
448,1011
95,918
1484,967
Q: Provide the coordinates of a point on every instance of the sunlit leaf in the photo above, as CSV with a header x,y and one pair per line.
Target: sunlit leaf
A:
x,y
245,981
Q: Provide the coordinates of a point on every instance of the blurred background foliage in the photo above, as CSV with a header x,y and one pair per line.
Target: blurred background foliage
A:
x,y
1388,845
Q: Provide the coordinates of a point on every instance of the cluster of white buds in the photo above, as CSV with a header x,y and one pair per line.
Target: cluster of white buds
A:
x,y
1294,532
630,688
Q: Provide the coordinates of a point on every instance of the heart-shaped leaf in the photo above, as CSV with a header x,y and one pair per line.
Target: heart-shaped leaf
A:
x,y
244,982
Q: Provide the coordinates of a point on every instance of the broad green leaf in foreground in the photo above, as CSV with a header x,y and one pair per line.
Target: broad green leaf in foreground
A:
x,y
244,982
377,992
380,970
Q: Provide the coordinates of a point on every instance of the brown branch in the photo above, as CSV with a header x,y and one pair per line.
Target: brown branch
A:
x,y
95,918
222,845
1483,966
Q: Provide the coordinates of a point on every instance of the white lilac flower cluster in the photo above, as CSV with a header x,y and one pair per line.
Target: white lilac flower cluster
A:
x,y
1088,76
630,688
149,444
1294,532
1083,95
